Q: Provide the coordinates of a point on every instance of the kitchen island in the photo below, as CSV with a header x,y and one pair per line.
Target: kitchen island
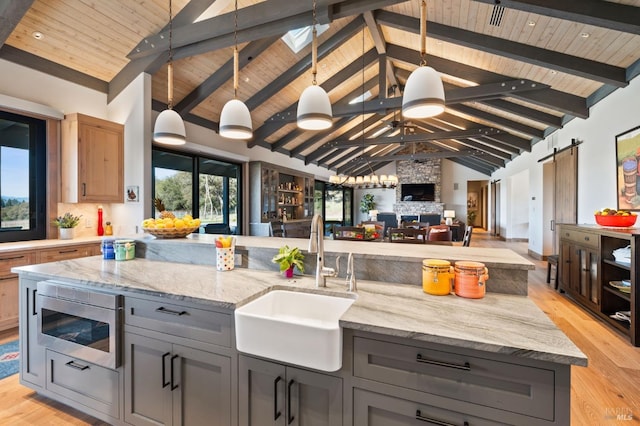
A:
x,y
375,261
497,359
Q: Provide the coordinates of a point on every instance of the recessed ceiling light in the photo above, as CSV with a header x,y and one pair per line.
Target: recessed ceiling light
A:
x,y
37,35
584,35
247,79
531,23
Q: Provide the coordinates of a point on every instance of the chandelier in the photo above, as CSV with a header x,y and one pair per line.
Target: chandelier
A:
x,y
365,182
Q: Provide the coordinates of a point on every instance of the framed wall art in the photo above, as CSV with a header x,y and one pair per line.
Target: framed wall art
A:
x,y
472,201
628,169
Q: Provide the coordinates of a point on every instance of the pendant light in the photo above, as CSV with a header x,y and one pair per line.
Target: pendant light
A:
x,y
423,95
169,128
235,119
314,106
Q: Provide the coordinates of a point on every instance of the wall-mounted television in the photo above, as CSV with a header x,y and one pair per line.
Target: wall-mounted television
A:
x,y
418,192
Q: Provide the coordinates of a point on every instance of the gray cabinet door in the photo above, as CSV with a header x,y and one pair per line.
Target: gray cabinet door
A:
x,y
273,395
147,380
313,399
261,392
32,365
201,388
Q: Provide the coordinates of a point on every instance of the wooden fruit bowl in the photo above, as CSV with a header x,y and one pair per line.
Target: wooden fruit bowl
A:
x,y
170,232
615,220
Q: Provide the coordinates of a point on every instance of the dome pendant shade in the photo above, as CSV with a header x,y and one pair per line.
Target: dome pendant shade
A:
x,y
235,121
314,109
423,95
169,128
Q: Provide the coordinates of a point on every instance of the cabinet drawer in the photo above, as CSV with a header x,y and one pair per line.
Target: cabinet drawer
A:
x,y
64,253
373,409
584,238
88,384
510,387
180,320
9,260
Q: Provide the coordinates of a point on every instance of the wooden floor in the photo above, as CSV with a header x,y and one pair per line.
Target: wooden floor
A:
x,y
607,392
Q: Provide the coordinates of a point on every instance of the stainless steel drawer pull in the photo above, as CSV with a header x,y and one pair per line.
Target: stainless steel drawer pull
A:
x,y
11,258
164,310
465,367
434,421
77,366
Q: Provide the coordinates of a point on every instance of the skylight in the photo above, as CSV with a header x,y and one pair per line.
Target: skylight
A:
x,y
299,38
360,98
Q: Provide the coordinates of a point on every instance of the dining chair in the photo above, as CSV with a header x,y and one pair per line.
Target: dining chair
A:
x,y
380,227
352,233
440,233
301,229
407,235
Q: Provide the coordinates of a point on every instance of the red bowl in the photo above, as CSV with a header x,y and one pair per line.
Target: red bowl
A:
x,y
613,220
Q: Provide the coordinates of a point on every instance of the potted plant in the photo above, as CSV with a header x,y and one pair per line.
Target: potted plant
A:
x,y
471,217
287,258
66,223
367,204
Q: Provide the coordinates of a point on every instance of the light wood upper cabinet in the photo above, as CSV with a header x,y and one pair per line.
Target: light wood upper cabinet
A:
x,y
92,160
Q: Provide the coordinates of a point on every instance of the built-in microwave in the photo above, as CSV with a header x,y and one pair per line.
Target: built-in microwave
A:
x,y
80,322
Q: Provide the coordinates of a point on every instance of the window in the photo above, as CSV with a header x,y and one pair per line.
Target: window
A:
x,y
202,187
23,182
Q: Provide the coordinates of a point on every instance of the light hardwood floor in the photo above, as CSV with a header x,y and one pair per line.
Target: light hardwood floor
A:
x,y
609,387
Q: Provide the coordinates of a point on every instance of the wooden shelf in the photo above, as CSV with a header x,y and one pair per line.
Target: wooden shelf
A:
x,y
615,291
624,266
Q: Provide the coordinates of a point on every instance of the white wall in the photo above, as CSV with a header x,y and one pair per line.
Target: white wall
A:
x,y
456,199
596,163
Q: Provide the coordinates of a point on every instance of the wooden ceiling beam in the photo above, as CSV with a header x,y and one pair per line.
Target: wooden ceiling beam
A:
x,y
614,16
11,13
275,122
549,98
499,121
255,22
291,136
574,65
223,74
413,138
452,97
350,133
152,63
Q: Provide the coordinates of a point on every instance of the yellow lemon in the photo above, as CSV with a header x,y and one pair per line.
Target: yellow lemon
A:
x,y
179,223
187,217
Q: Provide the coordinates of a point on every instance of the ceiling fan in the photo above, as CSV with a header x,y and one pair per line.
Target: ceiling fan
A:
x,y
395,123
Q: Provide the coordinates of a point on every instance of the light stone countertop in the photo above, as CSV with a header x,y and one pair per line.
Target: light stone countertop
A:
x,y
45,244
391,251
498,323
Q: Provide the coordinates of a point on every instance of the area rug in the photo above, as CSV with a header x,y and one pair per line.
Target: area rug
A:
x,y
9,359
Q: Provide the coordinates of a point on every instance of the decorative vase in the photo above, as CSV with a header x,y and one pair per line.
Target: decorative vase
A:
x,y
289,273
66,233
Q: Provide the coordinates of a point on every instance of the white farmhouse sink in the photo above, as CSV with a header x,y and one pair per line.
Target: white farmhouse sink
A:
x,y
293,327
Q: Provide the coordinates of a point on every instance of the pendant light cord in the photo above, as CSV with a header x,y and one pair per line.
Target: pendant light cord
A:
x,y
170,66
423,32
363,94
314,46
235,52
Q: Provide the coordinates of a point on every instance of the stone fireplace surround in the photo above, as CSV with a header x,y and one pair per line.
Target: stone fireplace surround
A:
x,y
423,171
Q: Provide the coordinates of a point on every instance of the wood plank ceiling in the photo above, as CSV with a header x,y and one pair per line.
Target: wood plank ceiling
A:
x,y
514,70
